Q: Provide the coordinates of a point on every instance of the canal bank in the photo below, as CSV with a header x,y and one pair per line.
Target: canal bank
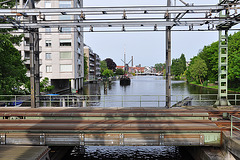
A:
x,y
214,87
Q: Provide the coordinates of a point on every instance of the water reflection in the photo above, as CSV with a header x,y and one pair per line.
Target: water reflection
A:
x,y
144,85
130,153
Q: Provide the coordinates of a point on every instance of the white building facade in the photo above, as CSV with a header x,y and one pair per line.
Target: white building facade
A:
x,y
93,63
62,55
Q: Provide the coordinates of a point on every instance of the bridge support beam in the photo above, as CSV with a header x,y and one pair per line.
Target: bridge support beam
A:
x,y
168,60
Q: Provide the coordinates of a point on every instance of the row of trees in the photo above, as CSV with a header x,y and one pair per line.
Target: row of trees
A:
x,y
204,66
178,67
108,68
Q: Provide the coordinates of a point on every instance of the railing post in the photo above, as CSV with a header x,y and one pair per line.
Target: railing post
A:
x,y
68,100
231,125
235,99
104,100
15,100
122,100
140,101
50,101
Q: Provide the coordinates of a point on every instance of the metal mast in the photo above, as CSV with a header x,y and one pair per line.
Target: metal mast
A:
x,y
223,60
168,59
34,60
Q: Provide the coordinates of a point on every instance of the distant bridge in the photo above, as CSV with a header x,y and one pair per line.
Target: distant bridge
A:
x,y
146,74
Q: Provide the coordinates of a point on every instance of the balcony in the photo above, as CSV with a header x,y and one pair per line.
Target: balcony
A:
x,y
27,35
27,47
28,74
40,48
27,61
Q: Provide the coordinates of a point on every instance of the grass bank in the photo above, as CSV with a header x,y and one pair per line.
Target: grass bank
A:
x,y
214,86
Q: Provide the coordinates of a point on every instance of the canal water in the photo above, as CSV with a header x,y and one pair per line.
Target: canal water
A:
x,y
140,85
151,87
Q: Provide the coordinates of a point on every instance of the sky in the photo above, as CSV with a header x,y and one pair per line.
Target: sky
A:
x,y
147,48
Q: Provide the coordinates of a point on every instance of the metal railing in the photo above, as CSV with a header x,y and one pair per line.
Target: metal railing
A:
x,y
115,100
232,126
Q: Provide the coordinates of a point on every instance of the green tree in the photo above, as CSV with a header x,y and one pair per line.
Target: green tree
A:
x,y
103,66
160,67
183,62
210,55
198,69
119,71
178,66
107,73
13,78
110,64
12,70
234,61
45,85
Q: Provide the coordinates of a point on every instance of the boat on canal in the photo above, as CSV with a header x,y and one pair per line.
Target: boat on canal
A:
x,y
125,80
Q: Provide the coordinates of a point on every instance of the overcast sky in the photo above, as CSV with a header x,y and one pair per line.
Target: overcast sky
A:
x,y
147,48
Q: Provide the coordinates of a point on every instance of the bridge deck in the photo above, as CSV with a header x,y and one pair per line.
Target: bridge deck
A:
x,y
111,126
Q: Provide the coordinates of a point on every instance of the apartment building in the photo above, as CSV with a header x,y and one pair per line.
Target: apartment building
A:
x,y
61,49
93,63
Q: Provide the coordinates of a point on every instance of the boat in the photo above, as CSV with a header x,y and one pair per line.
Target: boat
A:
x,y
125,80
17,103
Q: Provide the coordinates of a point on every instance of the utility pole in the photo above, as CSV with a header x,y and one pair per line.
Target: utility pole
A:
x,y
168,59
34,60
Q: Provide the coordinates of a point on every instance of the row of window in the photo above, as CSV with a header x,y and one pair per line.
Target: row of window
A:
x,y
61,30
63,68
62,42
62,4
63,55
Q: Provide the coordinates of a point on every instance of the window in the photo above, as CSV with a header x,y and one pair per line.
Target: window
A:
x,y
65,17
48,56
48,69
66,30
65,68
65,55
27,54
48,43
48,18
65,42
64,4
48,30
48,5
